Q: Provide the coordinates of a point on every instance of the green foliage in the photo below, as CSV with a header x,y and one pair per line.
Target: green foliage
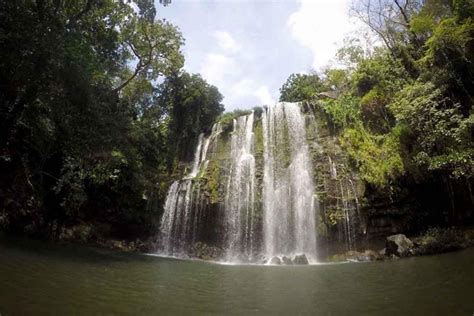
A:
x,y
155,45
448,60
443,135
193,106
213,183
300,87
228,118
381,72
334,216
374,112
377,157
86,131
259,139
351,53
96,111
422,24
344,110
463,9
336,79
449,38
438,240
406,109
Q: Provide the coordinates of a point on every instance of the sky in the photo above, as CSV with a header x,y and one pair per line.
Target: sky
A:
x,y
249,48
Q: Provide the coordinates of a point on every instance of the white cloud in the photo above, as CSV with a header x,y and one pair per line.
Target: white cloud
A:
x,y
226,42
243,87
216,66
246,89
321,25
263,94
228,67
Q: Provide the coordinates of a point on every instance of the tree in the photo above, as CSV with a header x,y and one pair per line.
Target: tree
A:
x,y
389,19
154,46
192,106
81,136
300,87
443,139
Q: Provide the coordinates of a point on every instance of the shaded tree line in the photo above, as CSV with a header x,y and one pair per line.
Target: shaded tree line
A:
x,y
94,107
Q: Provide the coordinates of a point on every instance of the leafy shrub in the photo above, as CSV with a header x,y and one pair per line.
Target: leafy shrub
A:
x,y
443,135
344,110
438,240
374,112
300,87
376,156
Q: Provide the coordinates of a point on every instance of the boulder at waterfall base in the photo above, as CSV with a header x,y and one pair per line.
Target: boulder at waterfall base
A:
x,y
300,259
286,260
275,260
398,245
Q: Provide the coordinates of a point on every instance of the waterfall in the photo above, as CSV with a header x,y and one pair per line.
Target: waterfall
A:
x,y
332,168
182,209
256,184
289,202
348,203
197,157
350,208
168,219
240,190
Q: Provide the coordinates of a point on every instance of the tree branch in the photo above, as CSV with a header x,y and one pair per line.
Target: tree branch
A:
x,y
140,66
402,11
79,15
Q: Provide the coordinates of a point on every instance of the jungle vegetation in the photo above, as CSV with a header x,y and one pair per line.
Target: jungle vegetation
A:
x,y
97,112
403,106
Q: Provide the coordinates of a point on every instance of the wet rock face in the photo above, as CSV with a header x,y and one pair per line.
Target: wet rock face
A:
x,y
260,259
206,252
366,256
300,259
286,260
398,245
275,260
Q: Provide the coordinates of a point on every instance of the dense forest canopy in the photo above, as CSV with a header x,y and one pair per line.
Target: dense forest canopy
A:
x,y
95,106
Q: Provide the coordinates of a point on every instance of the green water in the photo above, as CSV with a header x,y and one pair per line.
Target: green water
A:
x,y
39,278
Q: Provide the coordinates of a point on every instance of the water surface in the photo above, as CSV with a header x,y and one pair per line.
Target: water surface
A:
x,y
42,278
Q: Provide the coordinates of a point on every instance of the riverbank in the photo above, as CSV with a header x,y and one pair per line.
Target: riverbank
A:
x,y
433,241
90,234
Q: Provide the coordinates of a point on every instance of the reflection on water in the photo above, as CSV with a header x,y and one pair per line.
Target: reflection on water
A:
x,y
42,278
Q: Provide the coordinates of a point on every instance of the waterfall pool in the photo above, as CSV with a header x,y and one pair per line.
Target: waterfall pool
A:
x,y
42,278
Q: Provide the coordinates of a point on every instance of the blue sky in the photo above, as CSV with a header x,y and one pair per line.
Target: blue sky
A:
x,y
248,48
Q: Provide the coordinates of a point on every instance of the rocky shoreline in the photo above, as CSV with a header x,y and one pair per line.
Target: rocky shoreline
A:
x,y
432,241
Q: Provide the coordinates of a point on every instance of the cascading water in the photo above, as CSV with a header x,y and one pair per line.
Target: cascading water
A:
x,y
251,191
289,202
240,191
179,223
348,204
